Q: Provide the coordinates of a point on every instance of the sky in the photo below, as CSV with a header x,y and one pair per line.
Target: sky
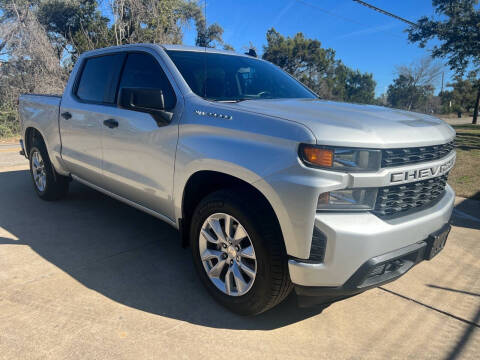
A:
x,y
362,38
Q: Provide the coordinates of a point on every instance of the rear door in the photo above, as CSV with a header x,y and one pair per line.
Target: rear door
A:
x,y
139,153
83,112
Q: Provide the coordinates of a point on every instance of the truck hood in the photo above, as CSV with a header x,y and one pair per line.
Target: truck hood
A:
x,y
336,123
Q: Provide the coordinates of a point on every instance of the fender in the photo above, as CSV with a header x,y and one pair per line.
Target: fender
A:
x,y
53,152
182,176
44,119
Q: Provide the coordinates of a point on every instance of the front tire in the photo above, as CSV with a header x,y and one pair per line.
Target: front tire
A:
x,y
48,184
238,252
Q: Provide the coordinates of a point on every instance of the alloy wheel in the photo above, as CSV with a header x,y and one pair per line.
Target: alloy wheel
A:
x,y
38,171
227,254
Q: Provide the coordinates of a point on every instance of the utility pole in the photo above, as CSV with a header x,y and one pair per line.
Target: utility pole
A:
x,y
384,12
443,75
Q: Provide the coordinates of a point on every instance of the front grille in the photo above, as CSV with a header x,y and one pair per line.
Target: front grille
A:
x,y
404,156
392,200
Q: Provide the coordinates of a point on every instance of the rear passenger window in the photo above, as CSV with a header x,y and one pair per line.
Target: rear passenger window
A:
x,y
143,71
99,78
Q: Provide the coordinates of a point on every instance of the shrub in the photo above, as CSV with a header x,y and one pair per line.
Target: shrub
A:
x,y
9,124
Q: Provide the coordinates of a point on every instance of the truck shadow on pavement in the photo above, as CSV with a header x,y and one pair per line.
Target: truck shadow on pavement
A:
x,y
124,254
467,213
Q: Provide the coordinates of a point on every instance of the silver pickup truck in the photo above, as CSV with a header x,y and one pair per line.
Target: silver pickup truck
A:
x,y
272,188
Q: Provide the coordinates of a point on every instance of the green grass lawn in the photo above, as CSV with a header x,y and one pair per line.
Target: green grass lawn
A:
x,y
465,177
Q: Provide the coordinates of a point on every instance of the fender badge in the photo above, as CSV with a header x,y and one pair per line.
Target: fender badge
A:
x,y
212,114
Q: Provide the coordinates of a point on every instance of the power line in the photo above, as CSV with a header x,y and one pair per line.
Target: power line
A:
x,y
384,12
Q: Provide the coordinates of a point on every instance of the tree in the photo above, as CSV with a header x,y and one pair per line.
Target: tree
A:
x,y
303,58
207,36
359,88
458,31
161,21
414,86
317,68
28,60
462,96
424,72
41,39
73,26
405,94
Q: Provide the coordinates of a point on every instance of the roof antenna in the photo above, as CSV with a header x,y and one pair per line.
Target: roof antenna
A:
x,y
205,48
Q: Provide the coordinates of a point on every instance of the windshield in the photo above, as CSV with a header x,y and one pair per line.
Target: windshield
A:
x,y
223,77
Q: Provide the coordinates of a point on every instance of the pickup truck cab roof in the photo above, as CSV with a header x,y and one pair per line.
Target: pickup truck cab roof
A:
x,y
156,46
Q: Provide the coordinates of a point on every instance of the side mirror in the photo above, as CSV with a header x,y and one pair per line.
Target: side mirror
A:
x,y
145,100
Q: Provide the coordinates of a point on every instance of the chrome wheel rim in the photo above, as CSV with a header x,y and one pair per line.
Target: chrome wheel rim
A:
x,y
38,171
227,254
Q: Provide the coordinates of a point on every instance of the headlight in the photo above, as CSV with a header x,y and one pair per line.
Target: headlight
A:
x,y
342,159
349,199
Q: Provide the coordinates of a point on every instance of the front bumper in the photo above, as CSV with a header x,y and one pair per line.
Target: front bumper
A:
x,y
353,239
377,271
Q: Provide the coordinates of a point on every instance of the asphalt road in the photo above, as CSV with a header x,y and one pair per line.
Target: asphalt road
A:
x,y
88,277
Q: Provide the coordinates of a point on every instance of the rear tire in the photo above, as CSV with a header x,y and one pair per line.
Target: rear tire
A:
x,y
266,281
48,184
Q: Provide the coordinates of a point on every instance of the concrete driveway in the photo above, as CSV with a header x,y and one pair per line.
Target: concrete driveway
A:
x,y
88,277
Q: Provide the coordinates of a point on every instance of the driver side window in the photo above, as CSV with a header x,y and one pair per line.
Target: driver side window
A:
x,y
143,71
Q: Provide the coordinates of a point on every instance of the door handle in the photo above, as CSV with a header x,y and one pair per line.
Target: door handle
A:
x,y
67,115
111,123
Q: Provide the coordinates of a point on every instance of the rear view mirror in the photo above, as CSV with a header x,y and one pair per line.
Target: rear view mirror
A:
x,y
145,100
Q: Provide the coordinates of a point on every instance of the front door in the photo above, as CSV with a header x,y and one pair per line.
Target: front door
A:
x,y
139,153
